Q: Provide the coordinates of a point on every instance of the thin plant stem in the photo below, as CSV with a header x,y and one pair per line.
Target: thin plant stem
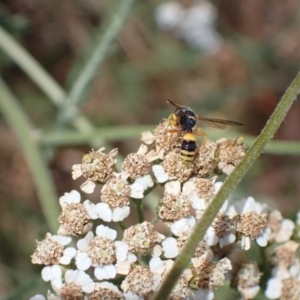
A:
x,y
91,68
112,133
139,209
41,176
230,183
122,225
38,75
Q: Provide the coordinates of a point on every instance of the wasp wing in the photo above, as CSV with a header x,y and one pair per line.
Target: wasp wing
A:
x,y
218,123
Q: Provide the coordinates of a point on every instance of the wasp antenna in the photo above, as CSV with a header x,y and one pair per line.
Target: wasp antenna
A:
x,y
173,103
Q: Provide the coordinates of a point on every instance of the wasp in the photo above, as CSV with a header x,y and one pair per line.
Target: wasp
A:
x,y
185,119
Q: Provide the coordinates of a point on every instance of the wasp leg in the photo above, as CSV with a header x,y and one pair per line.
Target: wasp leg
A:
x,y
198,132
174,130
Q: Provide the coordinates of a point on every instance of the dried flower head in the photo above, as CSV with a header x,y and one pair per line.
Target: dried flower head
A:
x,y
138,164
174,205
231,152
101,252
251,222
141,238
97,167
76,284
165,140
105,290
140,282
206,159
175,168
209,275
75,218
285,255
246,279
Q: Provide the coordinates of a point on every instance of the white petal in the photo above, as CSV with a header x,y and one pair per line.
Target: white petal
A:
x,y
146,181
76,171
123,267
198,203
84,243
88,186
136,191
227,239
107,232
211,237
90,208
262,239
159,173
88,288
68,198
120,213
71,275
104,212
246,242
121,250
50,273
83,261
131,296
157,265
285,232
182,225
63,240
274,287
105,272
37,297
170,247
69,253
57,285
217,186
147,137
85,281
172,188
131,257
142,150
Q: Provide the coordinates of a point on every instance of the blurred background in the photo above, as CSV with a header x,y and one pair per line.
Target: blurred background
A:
x,y
225,58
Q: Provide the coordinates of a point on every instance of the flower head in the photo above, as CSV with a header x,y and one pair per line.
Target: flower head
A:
x,y
231,152
75,217
141,238
101,252
96,167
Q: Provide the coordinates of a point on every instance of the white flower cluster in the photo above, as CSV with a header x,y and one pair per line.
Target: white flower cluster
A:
x,y
132,263
193,24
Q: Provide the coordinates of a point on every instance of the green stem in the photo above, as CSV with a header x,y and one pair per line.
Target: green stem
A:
x,y
41,176
230,183
72,137
39,76
139,210
90,70
122,226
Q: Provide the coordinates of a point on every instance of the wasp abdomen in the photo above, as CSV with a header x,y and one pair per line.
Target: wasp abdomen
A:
x,y
188,147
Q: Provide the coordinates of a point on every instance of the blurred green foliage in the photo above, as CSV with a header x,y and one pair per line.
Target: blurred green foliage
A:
x,y
144,67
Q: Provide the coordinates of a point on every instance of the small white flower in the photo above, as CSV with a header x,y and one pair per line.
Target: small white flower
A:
x,y
252,222
170,247
182,225
140,185
156,265
51,273
160,173
101,252
168,15
274,287
68,198
76,277
285,232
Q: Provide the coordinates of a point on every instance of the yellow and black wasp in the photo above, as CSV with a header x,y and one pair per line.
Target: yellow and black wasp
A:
x,y
185,119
